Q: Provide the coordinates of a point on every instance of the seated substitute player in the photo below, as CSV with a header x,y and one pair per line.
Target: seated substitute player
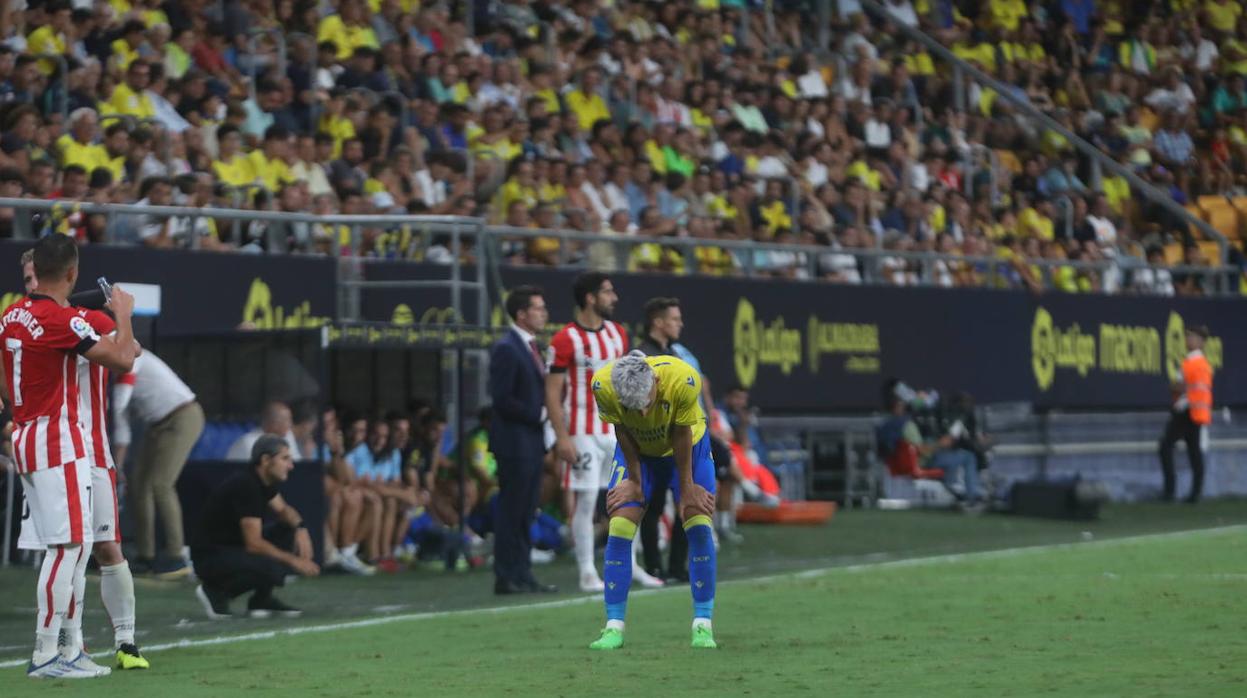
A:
x,y
662,442
116,582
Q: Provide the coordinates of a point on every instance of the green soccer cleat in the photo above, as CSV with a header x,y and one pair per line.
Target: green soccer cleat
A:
x,y
611,639
703,638
128,657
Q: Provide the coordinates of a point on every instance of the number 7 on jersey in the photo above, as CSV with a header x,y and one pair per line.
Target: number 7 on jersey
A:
x,y
15,346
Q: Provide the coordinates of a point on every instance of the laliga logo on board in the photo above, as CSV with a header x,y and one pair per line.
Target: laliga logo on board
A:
x,y
1052,347
754,343
1111,349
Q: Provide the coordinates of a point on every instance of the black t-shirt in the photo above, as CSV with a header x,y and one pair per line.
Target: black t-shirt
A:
x,y
243,495
649,347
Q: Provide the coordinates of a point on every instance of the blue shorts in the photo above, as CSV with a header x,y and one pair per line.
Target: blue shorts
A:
x,y
660,471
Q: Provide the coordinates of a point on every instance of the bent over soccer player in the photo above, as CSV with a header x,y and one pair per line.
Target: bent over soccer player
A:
x,y
662,442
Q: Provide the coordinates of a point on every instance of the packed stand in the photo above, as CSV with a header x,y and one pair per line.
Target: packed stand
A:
x,y
618,120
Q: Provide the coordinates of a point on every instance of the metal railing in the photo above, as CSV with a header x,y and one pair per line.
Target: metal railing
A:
x,y
747,257
1100,160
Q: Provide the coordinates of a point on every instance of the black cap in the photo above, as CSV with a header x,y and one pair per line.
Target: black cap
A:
x,y
1201,330
267,445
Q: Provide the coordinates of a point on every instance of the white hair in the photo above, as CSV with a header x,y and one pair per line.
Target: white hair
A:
x,y
81,113
633,379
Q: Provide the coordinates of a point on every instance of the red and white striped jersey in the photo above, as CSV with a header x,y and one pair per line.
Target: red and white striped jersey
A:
x,y
93,389
579,352
41,342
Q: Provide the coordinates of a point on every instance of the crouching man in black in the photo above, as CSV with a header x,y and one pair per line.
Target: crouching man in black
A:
x,y
234,553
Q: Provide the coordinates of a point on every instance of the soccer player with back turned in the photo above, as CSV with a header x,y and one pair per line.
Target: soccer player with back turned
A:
x,y
662,442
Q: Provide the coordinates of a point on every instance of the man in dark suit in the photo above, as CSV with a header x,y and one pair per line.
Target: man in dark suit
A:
x,y
517,388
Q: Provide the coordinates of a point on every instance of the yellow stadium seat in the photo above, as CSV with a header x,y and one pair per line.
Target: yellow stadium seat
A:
x,y
1173,253
1207,203
1225,220
1212,252
1148,119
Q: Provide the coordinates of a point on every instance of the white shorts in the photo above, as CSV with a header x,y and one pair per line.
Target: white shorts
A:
x,y
592,471
57,510
104,511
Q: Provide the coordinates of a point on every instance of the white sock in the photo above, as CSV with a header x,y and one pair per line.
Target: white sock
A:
x,y
700,623
720,520
615,625
350,550
582,533
57,575
72,626
117,593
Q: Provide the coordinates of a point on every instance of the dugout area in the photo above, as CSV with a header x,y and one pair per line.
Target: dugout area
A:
x,y
365,369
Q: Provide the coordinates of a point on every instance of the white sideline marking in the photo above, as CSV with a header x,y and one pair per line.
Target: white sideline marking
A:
x,y
581,600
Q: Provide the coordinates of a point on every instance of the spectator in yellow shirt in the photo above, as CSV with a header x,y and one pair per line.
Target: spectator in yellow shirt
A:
x,y
232,167
348,30
268,162
334,121
78,147
130,97
1036,221
1223,14
126,48
585,102
51,37
1008,13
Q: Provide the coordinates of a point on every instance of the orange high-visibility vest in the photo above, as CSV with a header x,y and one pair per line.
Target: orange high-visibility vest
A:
x,y
1197,375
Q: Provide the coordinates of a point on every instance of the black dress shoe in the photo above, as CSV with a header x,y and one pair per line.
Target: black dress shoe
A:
x,y
677,577
503,587
537,587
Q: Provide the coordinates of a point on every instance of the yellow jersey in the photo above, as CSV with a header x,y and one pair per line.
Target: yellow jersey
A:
x,y
273,174
127,102
88,155
236,172
45,40
346,38
677,404
588,108
123,53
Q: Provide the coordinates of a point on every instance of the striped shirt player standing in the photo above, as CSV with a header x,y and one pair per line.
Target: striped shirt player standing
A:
x,y
583,442
42,337
116,582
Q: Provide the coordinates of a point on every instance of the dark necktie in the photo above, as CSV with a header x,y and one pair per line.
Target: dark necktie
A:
x,y
541,365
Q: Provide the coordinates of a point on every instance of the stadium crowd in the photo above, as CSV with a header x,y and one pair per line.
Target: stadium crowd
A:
x,y
655,120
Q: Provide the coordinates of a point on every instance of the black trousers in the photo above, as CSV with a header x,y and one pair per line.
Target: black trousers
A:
x,y
236,571
677,552
1181,428
519,494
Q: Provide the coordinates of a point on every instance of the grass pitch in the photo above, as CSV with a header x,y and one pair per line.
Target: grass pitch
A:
x,y
900,604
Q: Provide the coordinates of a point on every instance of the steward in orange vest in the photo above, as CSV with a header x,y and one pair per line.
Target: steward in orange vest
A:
x,y
1190,416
